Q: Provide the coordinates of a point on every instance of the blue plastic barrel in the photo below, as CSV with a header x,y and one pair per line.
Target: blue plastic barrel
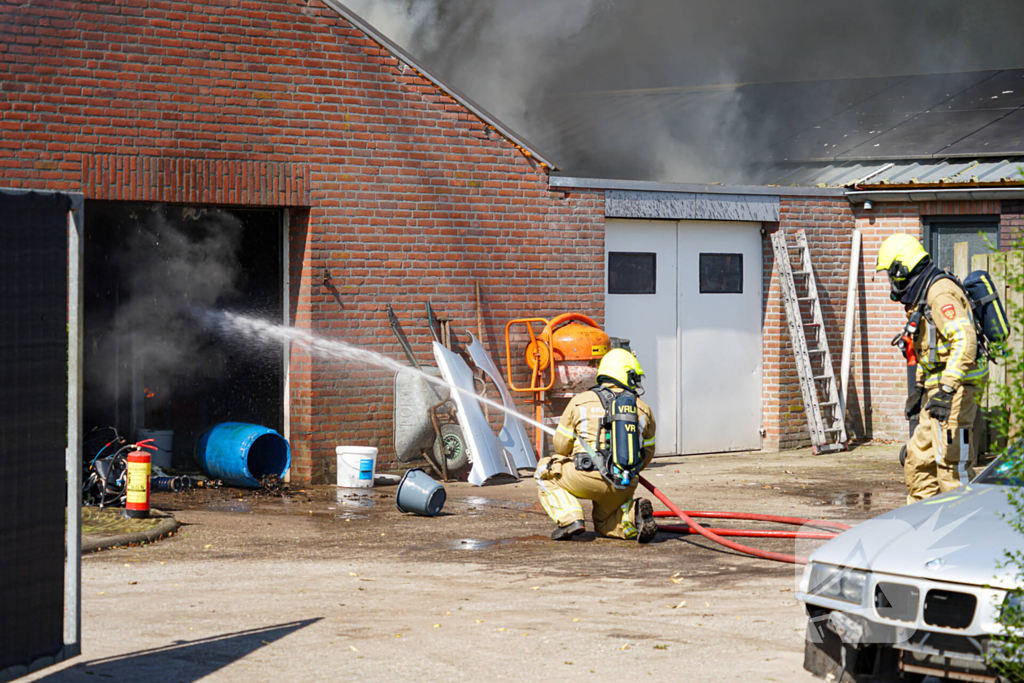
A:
x,y
241,454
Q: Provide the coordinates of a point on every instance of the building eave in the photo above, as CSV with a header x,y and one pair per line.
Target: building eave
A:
x,y
915,194
564,184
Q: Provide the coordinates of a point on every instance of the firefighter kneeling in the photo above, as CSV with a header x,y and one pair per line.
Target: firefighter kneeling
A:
x,y
949,376
604,439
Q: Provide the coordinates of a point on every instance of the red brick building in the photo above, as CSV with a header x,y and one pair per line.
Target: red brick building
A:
x,y
387,186
392,188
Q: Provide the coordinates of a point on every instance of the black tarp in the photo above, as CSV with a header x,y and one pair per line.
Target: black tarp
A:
x,y
33,423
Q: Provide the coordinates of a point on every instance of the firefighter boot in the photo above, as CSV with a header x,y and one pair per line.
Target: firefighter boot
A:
x,y
643,520
565,533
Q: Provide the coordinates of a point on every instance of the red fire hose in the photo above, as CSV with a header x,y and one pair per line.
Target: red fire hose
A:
x,y
717,534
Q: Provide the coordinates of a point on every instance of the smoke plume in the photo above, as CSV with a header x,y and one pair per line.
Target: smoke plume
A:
x,y
170,262
555,71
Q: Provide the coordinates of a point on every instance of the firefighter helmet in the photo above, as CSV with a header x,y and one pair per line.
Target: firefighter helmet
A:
x,y
901,256
900,250
622,367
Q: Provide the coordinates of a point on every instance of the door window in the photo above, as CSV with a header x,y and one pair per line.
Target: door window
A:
x,y
632,272
721,273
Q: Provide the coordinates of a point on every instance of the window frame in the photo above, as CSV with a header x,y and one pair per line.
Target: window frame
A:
x,y
700,270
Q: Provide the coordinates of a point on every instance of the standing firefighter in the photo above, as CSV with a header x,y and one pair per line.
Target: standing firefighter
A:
x,y
943,338
604,439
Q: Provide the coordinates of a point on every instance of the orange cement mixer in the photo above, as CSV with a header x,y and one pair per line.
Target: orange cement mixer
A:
x,y
562,358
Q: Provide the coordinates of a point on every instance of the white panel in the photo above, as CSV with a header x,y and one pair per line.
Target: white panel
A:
x,y
719,342
649,320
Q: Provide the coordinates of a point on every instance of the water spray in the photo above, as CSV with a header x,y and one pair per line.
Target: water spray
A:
x,y
262,331
265,332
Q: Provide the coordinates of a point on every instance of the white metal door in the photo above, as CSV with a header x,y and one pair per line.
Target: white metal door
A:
x,y
719,317
648,320
701,350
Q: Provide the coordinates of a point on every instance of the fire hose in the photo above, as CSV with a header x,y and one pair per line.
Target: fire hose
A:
x,y
716,535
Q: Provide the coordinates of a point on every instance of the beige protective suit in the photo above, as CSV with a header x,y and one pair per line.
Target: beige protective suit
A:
x,y
561,486
935,463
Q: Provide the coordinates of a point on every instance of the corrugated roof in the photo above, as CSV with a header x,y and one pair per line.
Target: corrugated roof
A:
x,y
503,130
920,173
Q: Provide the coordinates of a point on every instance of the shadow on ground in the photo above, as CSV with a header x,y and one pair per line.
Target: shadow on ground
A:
x,y
183,661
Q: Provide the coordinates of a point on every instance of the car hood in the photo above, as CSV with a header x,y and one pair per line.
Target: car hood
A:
x,y
963,534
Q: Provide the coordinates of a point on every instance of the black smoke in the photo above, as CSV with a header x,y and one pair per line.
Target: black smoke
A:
x,y
685,90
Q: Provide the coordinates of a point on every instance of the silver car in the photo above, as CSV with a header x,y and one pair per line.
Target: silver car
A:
x,y
915,592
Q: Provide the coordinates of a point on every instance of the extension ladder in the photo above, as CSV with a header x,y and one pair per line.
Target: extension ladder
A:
x,y
818,383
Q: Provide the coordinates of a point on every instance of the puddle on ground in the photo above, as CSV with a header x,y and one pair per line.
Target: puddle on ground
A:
x,y
481,544
350,515
864,500
476,503
234,506
350,498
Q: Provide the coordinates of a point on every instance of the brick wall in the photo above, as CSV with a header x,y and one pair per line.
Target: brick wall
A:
x,y
878,371
881,372
397,193
828,224
1011,224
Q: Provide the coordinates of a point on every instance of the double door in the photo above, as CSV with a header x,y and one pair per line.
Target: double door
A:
x,y
687,295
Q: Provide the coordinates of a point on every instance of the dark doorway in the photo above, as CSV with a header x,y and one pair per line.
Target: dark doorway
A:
x,y
148,361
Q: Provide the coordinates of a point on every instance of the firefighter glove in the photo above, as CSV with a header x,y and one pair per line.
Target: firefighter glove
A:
x,y
941,404
913,406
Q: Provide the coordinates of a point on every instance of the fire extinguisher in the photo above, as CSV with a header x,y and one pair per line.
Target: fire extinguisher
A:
x,y
136,502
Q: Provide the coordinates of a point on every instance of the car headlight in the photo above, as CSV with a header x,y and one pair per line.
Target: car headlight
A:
x,y
838,583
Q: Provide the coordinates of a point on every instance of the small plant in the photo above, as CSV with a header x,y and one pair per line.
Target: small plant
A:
x,y
1007,651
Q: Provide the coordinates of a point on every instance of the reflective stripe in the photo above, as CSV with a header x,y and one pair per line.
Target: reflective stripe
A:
x,y
560,505
977,374
649,442
628,530
957,349
566,432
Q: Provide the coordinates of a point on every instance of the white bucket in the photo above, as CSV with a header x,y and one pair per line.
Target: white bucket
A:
x,y
356,466
163,439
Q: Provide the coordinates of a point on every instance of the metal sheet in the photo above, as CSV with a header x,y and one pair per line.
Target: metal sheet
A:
x,y
918,172
513,434
924,135
489,458
414,397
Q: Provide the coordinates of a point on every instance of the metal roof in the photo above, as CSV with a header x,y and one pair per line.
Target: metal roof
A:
x,y
921,173
528,149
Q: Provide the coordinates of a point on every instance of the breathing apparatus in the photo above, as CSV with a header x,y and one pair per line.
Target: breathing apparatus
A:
x,y
619,449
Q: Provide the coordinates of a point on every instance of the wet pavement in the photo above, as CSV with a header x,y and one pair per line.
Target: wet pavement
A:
x,y
326,584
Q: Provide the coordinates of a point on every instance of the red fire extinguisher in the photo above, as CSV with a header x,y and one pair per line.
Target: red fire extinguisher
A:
x,y
136,502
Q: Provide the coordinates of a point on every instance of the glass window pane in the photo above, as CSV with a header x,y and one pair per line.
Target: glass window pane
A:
x,y
721,273
632,272
944,236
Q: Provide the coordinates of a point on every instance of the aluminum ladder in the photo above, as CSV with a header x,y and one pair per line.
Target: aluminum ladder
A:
x,y
818,382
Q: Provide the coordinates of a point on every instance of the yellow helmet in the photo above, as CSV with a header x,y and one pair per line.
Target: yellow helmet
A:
x,y
899,256
900,250
621,366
